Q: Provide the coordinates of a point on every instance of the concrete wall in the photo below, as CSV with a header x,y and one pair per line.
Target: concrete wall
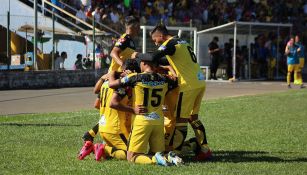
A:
x,y
48,79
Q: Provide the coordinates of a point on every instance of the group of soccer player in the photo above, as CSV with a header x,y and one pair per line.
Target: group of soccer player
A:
x,y
146,102
295,60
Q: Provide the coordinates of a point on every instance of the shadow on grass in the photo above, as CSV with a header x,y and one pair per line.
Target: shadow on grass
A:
x,y
36,124
249,156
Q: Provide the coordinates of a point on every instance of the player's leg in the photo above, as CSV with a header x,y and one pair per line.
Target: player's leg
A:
x,y
138,146
169,117
88,145
290,70
296,72
115,147
156,146
89,135
199,129
299,73
181,126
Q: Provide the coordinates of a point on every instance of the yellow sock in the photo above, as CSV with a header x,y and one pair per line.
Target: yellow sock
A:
x,y
115,153
93,132
288,78
295,76
144,159
299,78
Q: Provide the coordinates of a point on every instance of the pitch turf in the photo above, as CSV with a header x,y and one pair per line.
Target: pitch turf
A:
x,y
264,134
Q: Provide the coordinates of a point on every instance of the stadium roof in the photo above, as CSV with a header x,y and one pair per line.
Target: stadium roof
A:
x,y
245,28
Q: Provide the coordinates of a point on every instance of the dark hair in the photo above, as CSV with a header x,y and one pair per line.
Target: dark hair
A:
x,y
151,63
161,28
79,56
132,65
131,20
63,53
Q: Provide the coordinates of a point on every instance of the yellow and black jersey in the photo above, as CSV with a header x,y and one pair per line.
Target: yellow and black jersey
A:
x,y
112,121
127,47
148,90
181,57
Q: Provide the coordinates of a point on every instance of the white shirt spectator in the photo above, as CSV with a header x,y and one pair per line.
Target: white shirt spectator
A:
x,y
96,15
86,3
114,17
81,15
59,63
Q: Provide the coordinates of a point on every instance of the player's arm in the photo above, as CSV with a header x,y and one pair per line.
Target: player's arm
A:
x,y
113,82
116,104
97,103
127,80
120,45
115,55
170,69
172,83
163,50
287,50
99,83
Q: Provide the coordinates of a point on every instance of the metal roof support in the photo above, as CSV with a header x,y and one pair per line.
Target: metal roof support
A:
x,y
234,52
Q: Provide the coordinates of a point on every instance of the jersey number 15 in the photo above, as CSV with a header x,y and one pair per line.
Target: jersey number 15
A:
x,y
155,98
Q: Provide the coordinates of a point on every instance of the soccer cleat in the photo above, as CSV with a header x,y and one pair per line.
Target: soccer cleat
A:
x,y
87,148
161,160
174,159
289,86
203,156
99,151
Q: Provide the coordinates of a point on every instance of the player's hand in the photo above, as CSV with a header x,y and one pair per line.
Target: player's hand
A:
x,y
133,55
127,72
171,77
139,110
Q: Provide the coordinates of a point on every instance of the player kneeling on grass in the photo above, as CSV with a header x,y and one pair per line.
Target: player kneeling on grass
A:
x,y
111,126
148,92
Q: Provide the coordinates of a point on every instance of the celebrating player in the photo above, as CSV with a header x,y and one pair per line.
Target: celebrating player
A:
x,y
125,45
112,125
191,89
148,89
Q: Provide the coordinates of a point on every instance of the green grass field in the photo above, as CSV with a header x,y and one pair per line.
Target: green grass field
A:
x,y
264,134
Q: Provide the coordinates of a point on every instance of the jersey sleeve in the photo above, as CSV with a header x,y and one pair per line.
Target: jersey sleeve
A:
x,y
129,80
121,92
122,42
167,49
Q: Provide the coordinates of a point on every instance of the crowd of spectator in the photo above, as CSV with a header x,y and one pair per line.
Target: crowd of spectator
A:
x,y
199,12
203,14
